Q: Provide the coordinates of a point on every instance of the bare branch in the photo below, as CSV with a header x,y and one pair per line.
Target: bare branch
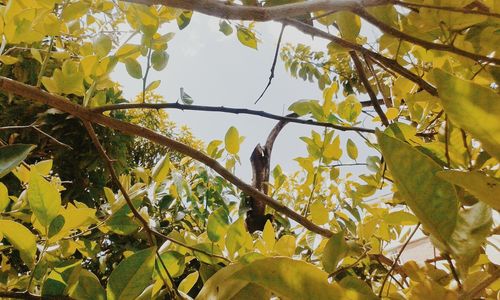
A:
x,y
447,8
273,66
290,118
63,104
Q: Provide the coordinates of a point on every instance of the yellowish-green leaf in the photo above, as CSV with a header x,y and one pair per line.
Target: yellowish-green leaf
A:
x,y
153,85
319,213
352,150
161,169
8,60
332,150
21,238
61,278
232,140
237,236
392,113
217,224
334,251
348,23
159,60
400,218
432,199
290,279
44,199
129,279
134,69
246,37
472,107
481,186
75,10
102,45
187,283
4,197
285,246
268,235
350,108
87,287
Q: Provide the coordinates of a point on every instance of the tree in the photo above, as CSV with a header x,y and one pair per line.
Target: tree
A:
x,y
144,213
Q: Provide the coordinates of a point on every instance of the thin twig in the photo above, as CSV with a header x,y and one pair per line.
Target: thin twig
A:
x,y
34,127
45,62
292,118
446,141
386,99
453,271
447,8
397,259
273,66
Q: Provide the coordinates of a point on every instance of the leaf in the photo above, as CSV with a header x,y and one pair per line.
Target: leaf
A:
x,y
432,199
246,37
187,283
184,19
87,287
225,28
12,155
217,225
44,199
4,197
400,218
392,113
21,238
8,60
134,69
62,278
102,45
175,263
223,285
237,236
132,275
319,213
360,287
473,227
352,150
161,170
185,98
159,60
350,108
335,249
348,23
484,188
153,85
285,246
232,140
75,10
472,107
289,278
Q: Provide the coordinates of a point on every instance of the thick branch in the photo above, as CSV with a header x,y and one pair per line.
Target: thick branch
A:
x,y
231,110
223,10
426,44
63,104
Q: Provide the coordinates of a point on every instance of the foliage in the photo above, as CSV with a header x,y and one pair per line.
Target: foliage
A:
x,y
171,224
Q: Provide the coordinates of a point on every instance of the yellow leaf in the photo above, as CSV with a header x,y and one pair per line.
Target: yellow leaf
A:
x,y
21,238
232,140
187,283
392,113
8,60
268,236
319,213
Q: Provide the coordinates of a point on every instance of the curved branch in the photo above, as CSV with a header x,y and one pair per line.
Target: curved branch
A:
x,y
423,43
223,10
447,8
63,104
230,110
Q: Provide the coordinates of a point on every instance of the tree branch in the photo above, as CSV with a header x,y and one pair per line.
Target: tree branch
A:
x,y
447,8
224,10
368,87
290,118
63,104
426,44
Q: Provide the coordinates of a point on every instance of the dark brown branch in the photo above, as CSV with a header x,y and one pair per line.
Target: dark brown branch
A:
x,y
426,44
273,66
229,110
63,104
387,62
447,8
373,97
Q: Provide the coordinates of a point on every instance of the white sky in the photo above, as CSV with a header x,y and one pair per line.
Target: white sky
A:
x,y
219,71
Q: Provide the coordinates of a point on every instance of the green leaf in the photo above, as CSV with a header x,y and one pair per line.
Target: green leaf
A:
x,y
44,199
87,287
153,85
472,107
12,155
4,197
223,285
225,28
185,98
62,278
335,250
355,284
129,279
400,218
161,169
175,263
21,238
184,19
289,278
473,227
348,23
232,140
352,150
246,37
102,45
237,236
432,199
350,108
75,10
134,69
159,60
484,188
187,283
217,225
